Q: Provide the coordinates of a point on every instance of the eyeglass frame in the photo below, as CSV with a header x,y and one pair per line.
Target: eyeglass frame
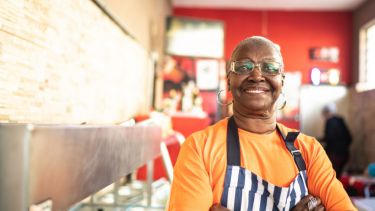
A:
x,y
257,64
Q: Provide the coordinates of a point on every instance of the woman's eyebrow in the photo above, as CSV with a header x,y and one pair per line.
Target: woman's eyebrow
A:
x,y
270,59
244,59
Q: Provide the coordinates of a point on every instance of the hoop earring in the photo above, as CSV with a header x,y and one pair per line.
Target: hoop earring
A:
x,y
219,101
282,95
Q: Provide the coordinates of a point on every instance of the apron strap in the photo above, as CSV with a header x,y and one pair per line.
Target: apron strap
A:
x,y
289,143
233,146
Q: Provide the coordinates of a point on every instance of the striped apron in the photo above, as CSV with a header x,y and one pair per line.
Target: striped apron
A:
x,y
244,190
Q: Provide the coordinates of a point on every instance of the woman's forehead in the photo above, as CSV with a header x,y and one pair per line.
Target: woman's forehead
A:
x,y
257,51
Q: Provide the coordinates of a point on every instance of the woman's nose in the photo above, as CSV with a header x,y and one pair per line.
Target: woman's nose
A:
x,y
256,74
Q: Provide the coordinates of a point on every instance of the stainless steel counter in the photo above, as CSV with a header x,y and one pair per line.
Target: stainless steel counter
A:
x,y
68,163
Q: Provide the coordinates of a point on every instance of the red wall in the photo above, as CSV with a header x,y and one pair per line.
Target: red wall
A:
x,y
295,32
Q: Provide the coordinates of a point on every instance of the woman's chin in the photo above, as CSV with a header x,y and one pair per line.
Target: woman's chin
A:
x,y
258,107
259,112
254,108
261,115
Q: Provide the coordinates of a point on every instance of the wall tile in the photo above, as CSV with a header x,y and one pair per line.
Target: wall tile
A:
x,y
67,62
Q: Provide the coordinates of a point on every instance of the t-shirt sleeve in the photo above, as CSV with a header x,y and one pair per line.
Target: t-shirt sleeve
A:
x,y
191,188
322,181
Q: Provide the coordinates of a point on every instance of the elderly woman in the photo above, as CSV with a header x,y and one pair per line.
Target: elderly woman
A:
x,y
249,161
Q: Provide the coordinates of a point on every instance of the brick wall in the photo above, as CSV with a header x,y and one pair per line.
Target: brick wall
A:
x,y
67,62
362,125
362,104
145,20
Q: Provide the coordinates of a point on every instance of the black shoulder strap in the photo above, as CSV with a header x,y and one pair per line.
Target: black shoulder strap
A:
x,y
289,143
233,144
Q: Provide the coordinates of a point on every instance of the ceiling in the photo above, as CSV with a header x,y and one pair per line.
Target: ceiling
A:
x,y
337,5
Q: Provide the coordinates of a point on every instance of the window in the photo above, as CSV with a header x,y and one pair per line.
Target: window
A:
x,y
195,37
366,58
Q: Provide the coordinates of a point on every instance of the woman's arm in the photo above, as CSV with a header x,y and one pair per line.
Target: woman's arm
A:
x,y
322,181
191,188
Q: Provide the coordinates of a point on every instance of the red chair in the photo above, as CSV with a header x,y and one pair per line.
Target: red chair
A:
x,y
163,165
187,124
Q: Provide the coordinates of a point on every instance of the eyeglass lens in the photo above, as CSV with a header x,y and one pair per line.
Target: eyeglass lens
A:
x,y
267,67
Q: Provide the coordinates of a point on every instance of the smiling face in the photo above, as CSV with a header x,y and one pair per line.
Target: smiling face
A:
x,y
255,94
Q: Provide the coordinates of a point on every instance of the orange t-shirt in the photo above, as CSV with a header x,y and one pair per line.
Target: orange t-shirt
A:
x,y
201,165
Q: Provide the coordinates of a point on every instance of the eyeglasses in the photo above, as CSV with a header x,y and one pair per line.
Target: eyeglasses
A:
x,y
245,67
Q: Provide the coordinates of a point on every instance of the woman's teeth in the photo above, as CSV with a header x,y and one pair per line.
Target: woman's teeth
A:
x,y
254,91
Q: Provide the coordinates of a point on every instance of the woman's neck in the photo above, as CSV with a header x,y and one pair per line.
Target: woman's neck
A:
x,y
256,125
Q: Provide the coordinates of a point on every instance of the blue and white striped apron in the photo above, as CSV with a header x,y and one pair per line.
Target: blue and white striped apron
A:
x,y
244,190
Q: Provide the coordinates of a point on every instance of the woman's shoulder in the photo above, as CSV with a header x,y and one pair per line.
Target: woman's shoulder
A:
x,y
308,145
301,138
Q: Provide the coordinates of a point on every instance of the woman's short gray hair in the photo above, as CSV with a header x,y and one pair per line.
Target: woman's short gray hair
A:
x,y
256,40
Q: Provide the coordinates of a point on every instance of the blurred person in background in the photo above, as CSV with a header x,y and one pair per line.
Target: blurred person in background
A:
x,y
337,138
249,161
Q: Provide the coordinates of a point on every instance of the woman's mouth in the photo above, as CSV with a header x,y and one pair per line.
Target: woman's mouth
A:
x,y
255,90
252,91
